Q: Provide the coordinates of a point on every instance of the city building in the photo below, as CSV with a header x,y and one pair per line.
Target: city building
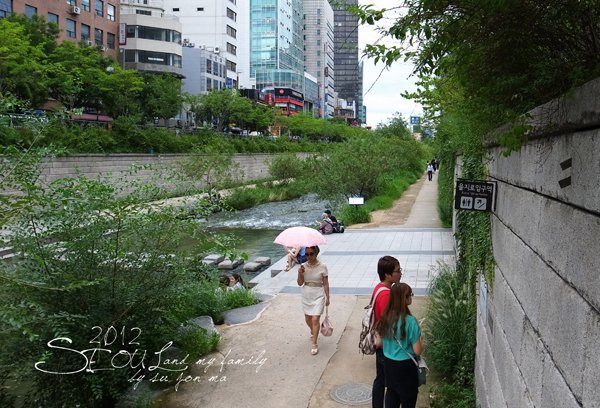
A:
x,y
348,81
319,51
276,44
203,70
362,110
92,22
211,25
152,38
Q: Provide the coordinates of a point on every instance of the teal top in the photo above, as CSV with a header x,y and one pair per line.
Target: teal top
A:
x,y
392,350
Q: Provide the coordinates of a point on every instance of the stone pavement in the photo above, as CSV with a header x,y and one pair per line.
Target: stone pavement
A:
x,y
266,361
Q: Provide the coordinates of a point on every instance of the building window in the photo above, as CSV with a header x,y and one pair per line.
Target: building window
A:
x,y
231,66
110,12
208,84
154,57
110,40
144,12
232,49
131,31
208,67
200,9
232,32
70,28
5,8
98,36
85,32
85,4
231,14
30,11
99,7
72,2
53,18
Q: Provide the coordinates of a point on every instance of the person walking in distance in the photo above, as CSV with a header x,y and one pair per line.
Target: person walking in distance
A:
x,y
390,272
429,171
400,335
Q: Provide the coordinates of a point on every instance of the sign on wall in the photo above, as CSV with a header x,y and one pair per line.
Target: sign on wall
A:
x,y
475,195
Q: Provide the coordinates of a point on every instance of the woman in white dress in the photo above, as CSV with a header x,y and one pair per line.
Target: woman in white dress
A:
x,y
312,275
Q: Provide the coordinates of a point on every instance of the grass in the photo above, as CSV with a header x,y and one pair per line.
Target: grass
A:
x,y
391,188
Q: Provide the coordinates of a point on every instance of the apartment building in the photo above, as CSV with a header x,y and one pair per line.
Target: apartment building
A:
x,y
151,39
93,22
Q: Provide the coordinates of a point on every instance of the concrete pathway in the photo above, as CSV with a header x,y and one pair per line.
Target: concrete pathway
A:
x,y
266,362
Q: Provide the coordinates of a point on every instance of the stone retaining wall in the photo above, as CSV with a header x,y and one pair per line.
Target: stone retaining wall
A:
x,y
538,327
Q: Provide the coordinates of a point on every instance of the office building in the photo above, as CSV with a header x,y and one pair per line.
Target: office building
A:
x,y
319,51
211,25
276,44
348,82
203,70
152,40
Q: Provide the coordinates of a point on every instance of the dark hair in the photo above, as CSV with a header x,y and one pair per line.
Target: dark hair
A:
x,y
238,278
224,280
395,311
386,266
315,249
328,212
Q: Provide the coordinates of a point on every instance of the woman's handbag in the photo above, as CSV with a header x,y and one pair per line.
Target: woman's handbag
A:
x,y
421,365
326,326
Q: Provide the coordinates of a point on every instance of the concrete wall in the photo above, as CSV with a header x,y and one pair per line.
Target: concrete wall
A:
x,y
538,332
157,167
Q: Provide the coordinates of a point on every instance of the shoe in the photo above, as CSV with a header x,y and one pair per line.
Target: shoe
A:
x,y
314,350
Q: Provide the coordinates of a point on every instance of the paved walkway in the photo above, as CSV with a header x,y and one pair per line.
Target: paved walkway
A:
x,y
266,362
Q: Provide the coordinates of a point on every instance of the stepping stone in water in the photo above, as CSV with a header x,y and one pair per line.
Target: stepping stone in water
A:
x,y
264,260
253,266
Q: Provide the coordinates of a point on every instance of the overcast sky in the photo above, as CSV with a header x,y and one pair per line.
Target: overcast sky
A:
x,y
383,100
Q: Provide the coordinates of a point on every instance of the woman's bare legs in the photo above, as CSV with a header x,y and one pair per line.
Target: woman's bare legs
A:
x,y
315,325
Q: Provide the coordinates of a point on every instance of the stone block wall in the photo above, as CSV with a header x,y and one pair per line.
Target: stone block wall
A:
x,y
116,166
538,334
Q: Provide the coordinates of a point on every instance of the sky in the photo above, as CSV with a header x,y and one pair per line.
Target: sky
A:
x,y
383,100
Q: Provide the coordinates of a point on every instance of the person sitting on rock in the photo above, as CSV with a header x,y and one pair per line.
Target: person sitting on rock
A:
x,y
235,282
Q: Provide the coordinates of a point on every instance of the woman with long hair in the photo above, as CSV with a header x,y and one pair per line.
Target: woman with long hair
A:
x,y
400,334
313,278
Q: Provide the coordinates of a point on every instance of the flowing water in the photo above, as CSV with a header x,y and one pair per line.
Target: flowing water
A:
x,y
257,227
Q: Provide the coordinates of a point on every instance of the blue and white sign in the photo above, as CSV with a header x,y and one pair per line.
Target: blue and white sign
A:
x,y
415,120
229,83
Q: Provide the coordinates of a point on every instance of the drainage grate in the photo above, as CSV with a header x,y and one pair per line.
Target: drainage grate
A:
x,y
352,394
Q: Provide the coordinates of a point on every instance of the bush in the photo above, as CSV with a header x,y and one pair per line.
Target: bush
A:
x,y
286,167
355,214
450,326
198,342
452,396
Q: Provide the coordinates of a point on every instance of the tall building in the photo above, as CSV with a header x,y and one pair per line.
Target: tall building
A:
x,y
362,111
92,22
348,82
211,25
276,44
152,40
319,51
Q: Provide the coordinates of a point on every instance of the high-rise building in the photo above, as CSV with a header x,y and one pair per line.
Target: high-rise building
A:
x,y
153,38
319,51
211,25
362,112
91,22
276,44
348,82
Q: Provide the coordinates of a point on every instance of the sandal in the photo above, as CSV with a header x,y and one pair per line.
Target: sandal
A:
x,y
314,350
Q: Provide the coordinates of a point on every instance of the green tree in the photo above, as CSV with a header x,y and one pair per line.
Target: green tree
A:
x,y
22,69
217,107
161,96
395,127
121,91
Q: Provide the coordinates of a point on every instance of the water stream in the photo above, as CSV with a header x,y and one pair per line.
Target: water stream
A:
x,y
257,227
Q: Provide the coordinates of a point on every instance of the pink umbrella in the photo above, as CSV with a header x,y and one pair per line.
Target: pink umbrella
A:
x,y
300,236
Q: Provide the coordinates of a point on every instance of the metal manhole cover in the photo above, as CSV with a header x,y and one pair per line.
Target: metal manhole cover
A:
x,y
352,394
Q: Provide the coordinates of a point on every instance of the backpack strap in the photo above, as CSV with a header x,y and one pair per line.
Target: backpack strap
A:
x,y
374,297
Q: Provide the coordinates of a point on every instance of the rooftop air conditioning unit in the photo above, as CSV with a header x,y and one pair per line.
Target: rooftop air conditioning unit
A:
x,y
217,50
75,10
202,47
